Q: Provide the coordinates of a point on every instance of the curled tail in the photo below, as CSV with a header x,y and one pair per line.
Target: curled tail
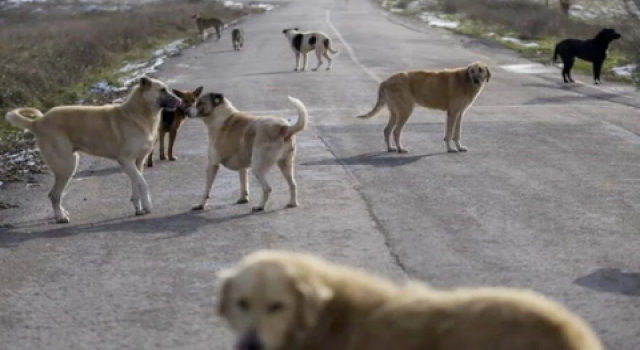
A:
x,y
379,104
17,118
328,44
301,124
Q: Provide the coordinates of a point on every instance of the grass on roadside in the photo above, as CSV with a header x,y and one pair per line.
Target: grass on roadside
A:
x,y
52,57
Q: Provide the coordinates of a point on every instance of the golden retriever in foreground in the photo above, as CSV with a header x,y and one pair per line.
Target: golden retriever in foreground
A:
x,y
450,90
125,133
278,300
240,141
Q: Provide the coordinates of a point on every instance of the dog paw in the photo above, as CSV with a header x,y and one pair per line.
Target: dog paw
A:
x,y
328,68
452,150
62,220
292,205
140,212
463,149
257,209
392,149
163,157
243,201
198,207
172,158
403,150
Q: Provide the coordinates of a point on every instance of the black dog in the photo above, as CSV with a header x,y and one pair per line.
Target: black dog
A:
x,y
592,50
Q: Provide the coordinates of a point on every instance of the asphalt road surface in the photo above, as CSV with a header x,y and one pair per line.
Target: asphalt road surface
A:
x,y
547,197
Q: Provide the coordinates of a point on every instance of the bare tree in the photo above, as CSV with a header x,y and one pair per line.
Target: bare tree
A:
x,y
564,6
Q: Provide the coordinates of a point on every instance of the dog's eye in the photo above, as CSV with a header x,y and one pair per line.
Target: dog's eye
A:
x,y
243,304
275,307
479,70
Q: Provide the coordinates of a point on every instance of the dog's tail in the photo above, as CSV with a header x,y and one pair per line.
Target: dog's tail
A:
x,y
17,118
379,104
555,54
328,44
303,116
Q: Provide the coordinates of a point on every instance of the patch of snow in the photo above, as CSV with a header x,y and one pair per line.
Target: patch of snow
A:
x,y
626,71
519,42
435,20
528,68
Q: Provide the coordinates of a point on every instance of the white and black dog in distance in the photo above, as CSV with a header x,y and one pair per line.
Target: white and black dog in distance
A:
x,y
304,42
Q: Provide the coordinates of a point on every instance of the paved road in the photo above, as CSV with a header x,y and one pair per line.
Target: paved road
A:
x,y
547,198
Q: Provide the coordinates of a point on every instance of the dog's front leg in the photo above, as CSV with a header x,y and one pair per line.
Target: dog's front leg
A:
x,y
297,61
139,186
163,155
212,170
305,57
597,68
244,186
458,132
451,119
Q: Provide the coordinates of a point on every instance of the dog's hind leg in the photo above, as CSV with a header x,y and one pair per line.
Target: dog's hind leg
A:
x,y
567,65
329,59
130,167
244,186
457,133
63,164
318,50
261,162
388,129
403,112
286,167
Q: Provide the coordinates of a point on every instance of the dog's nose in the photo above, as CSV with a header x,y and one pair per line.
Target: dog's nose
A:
x,y
250,342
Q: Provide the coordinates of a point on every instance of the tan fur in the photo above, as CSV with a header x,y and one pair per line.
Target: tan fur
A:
x,y
125,133
240,141
450,90
205,23
278,300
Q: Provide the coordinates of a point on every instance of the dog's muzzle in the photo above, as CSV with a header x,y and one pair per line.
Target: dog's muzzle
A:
x,y
191,112
249,341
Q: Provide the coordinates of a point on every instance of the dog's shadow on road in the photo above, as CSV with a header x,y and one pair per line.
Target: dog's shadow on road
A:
x,y
377,159
179,225
610,280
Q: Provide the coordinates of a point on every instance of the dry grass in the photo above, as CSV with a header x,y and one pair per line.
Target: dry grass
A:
x,y
48,58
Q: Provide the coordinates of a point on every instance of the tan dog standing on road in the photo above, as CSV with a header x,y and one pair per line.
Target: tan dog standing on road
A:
x,y
450,90
125,133
240,141
278,300
205,23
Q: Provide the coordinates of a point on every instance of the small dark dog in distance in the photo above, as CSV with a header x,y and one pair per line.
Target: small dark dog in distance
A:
x,y
237,36
591,50
172,120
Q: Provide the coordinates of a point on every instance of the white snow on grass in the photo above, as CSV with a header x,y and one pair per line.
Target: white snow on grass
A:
x,y
625,71
519,42
436,20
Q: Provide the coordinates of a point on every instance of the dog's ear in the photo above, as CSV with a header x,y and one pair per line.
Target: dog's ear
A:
x,y
313,298
284,31
216,99
178,93
144,82
488,72
223,287
197,91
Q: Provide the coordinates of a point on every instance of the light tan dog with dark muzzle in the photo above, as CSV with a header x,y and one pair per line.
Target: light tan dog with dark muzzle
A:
x,y
123,132
279,300
450,90
240,141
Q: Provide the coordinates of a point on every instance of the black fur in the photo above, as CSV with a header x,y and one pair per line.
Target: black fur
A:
x,y
591,50
312,40
216,99
297,41
168,118
326,43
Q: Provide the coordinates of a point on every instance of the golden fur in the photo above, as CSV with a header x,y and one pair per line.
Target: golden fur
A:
x,y
450,90
204,23
240,141
278,300
125,133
